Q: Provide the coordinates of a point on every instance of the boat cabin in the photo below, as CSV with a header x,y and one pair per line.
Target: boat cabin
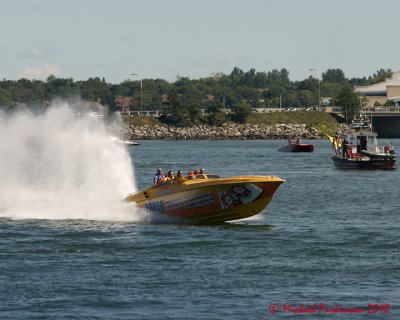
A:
x,y
364,143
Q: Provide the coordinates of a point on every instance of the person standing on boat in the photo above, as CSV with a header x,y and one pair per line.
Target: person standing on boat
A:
x,y
363,143
159,177
344,146
336,144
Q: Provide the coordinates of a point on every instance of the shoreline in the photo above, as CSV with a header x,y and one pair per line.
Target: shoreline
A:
x,y
225,132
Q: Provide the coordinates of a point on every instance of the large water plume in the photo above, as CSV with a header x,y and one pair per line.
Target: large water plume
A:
x,y
62,164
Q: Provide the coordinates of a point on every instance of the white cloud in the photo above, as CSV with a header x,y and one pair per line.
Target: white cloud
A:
x,y
41,72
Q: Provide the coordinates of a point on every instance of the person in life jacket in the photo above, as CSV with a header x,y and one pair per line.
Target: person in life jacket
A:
x,y
179,177
190,175
170,176
336,144
159,177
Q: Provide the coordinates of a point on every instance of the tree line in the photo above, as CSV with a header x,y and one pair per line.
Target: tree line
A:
x,y
183,99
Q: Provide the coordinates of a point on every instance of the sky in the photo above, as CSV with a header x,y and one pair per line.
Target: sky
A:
x,y
167,39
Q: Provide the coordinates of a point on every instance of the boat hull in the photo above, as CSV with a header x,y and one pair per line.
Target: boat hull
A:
x,y
297,147
209,200
363,163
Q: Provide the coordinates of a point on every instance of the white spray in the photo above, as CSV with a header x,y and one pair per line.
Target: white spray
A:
x,y
63,165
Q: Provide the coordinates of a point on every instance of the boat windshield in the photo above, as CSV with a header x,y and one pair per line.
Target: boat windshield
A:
x,y
212,176
371,140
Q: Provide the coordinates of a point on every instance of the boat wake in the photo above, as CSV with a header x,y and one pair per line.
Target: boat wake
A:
x,y
61,164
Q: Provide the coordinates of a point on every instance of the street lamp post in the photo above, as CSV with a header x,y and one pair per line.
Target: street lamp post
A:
x,y
319,88
281,93
141,90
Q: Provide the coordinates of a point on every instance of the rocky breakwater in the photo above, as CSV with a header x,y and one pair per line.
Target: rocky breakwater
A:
x,y
226,132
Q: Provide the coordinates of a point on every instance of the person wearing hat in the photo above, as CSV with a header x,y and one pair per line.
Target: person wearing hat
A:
x,y
179,176
159,177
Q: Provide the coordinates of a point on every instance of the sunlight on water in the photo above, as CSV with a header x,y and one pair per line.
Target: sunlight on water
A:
x,y
62,164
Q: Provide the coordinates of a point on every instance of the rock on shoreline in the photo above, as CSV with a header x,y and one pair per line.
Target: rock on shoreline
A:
x,y
226,132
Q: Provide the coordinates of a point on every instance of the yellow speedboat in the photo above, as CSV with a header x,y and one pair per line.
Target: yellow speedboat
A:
x,y
209,198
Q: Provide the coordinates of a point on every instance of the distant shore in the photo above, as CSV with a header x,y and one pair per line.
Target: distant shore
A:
x,y
226,132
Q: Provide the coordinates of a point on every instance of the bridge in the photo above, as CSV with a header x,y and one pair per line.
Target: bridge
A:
x,y
386,123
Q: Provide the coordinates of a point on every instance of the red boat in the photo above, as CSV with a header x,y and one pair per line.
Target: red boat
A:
x,y
296,146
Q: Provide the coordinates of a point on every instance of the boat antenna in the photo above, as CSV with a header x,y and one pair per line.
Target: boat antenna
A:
x,y
370,109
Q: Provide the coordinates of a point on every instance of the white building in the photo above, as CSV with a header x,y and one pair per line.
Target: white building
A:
x,y
380,93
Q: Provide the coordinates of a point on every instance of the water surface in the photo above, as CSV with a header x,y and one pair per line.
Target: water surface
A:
x,y
328,236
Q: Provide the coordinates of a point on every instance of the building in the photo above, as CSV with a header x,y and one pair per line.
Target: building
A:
x,y
380,93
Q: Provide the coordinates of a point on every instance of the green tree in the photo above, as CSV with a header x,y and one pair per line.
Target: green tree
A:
x,y
240,112
237,73
280,78
215,117
381,75
63,88
194,113
306,98
177,113
359,81
94,89
348,99
6,103
250,78
334,76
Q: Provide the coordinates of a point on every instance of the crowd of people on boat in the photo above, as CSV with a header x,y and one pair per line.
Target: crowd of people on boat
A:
x,y
340,144
159,177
